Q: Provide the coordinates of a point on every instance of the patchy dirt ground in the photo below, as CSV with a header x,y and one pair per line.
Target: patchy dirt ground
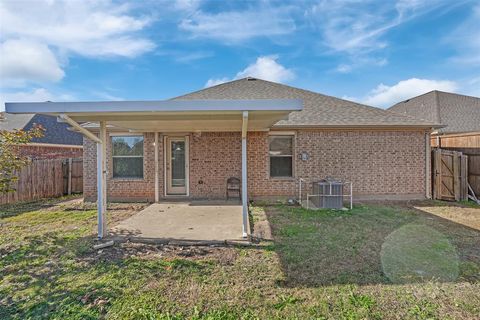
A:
x,y
467,216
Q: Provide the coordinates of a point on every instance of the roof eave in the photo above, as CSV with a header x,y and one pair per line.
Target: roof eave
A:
x,y
73,108
358,126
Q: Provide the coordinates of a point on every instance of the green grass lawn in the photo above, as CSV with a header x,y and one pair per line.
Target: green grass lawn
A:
x,y
375,262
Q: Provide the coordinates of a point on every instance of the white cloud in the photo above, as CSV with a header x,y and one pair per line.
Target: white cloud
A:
x,y
344,68
238,26
214,82
89,28
186,5
357,27
385,96
51,31
265,67
23,60
34,95
360,62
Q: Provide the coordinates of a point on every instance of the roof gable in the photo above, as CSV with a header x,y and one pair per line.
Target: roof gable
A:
x,y
55,132
9,121
318,109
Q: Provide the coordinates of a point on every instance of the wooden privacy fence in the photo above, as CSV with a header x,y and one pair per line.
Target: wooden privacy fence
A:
x,y
467,143
474,172
46,179
450,175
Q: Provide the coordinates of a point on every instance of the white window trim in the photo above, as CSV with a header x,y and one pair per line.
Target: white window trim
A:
x,y
294,146
130,134
187,157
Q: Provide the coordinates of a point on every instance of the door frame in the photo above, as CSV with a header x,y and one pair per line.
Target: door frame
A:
x,y
166,145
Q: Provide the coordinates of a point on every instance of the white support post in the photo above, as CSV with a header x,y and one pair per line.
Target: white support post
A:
x,y
157,187
102,180
99,191
244,174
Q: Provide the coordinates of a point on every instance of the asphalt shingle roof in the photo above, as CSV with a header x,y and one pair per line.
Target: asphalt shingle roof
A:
x,y
458,113
55,132
318,109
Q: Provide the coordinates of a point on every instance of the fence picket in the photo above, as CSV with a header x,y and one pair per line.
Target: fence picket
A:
x,y
44,179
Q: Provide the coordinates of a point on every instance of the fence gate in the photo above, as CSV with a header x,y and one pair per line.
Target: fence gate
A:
x,y
450,170
72,175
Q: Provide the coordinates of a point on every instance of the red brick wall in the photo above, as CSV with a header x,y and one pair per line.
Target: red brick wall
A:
x,y
214,157
378,163
36,151
122,189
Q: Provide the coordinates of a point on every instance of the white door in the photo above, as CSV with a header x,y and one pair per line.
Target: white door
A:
x,y
177,165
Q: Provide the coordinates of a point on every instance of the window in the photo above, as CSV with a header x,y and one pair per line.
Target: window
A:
x,y
281,156
127,155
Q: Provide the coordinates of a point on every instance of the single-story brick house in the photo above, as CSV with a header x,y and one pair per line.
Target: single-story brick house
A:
x,y
267,134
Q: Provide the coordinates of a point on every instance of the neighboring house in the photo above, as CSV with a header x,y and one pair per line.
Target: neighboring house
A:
x,y
57,142
460,116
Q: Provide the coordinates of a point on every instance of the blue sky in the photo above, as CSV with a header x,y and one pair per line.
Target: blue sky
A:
x,y
374,52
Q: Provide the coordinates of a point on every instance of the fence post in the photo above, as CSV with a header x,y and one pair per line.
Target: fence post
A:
x,y
69,176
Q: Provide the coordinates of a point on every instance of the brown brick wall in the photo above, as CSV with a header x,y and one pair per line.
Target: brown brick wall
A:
x,y
378,163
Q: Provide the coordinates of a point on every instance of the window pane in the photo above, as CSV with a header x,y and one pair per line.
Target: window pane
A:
x,y
128,167
178,163
281,145
127,146
281,167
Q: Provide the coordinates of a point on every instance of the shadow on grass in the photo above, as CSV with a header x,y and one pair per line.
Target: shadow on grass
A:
x,y
59,275
326,247
10,210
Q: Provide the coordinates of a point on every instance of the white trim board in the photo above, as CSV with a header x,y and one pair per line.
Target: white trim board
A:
x,y
149,106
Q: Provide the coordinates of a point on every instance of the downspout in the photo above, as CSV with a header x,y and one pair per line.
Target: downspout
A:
x,y
428,167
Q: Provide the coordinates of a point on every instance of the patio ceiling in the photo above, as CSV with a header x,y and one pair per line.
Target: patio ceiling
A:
x,y
169,115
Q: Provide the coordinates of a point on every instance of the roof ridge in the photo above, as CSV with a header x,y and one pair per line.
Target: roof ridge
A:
x,y
415,97
457,94
371,108
294,88
322,108
206,88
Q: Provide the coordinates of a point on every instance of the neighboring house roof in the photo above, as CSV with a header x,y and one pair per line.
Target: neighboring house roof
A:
x,y
318,110
458,113
55,132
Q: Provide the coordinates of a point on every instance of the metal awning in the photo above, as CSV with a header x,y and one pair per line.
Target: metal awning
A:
x,y
169,115
163,116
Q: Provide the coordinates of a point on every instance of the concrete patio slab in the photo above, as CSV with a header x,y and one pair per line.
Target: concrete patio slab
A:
x,y
177,222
